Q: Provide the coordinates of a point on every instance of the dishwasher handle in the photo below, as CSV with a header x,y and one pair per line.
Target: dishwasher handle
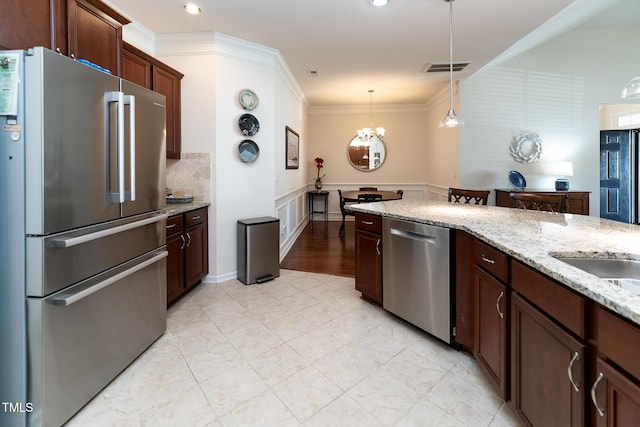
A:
x,y
412,235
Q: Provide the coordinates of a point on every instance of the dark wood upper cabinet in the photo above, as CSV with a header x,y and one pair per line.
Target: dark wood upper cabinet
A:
x,y
86,29
145,70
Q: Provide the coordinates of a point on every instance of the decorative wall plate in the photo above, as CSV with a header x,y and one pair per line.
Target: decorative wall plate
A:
x,y
249,151
249,125
248,99
517,180
526,147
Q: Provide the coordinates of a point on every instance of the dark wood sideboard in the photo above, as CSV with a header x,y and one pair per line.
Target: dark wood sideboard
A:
x,y
578,201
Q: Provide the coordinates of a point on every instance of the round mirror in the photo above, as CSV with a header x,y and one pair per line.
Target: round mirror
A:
x,y
366,155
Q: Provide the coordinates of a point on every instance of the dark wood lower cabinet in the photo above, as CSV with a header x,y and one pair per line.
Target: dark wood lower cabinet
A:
x,y
188,246
491,328
368,242
546,362
465,295
615,398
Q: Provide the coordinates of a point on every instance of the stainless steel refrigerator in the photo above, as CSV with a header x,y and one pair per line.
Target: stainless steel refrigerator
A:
x,y
82,232
619,165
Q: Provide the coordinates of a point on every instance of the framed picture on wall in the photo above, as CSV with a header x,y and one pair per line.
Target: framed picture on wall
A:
x,y
292,147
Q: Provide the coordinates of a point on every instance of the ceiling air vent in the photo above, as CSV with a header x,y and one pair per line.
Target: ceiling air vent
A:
x,y
440,67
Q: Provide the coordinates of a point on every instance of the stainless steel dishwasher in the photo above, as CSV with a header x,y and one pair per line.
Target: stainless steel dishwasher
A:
x,y
416,275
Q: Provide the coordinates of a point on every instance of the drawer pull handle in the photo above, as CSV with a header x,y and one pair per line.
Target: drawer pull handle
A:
x,y
367,222
501,314
594,398
378,247
575,357
195,217
489,260
170,226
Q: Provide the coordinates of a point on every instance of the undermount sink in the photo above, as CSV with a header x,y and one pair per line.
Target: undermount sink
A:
x,y
624,273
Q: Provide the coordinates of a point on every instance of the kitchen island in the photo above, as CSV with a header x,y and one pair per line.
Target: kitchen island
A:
x,y
533,238
548,335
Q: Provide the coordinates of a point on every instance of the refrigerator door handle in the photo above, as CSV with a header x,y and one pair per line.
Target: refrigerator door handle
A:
x,y
73,241
77,296
118,99
130,100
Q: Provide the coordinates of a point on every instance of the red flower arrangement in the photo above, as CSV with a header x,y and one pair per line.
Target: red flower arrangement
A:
x,y
319,164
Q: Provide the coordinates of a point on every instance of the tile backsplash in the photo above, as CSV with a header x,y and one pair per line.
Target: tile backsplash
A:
x,y
191,175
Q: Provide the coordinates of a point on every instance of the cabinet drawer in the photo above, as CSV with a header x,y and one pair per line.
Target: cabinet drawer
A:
x,y
618,340
492,260
371,223
560,303
196,217
174,224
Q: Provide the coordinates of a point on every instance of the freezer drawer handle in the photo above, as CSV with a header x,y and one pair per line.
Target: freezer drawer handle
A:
x,y
65,301
73,241
413,236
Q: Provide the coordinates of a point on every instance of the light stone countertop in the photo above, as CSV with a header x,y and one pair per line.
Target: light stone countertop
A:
x,y
532,237
178,208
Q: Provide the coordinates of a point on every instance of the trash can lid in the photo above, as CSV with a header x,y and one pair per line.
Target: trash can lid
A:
x,y
261,220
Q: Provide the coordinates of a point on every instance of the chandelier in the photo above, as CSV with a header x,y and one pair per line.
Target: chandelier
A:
x,y
367,134
450,120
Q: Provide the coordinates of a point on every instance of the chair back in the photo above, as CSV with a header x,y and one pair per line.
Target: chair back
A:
x,y
460,195
369,197
368,188
543,202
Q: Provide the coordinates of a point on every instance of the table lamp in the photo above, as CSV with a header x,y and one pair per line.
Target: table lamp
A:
x,y
564,169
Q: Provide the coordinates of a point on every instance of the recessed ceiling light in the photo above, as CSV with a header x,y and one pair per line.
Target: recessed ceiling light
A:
x,y
379,3
192,8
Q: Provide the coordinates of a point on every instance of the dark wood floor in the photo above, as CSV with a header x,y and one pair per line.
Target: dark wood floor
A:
x,y
319,249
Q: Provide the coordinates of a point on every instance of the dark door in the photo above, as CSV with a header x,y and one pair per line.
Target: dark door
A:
x,y
616,174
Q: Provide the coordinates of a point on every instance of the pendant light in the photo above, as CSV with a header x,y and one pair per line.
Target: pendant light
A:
x,y
450,120
366,134
632,89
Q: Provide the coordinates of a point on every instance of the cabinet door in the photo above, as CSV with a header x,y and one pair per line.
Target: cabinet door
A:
x,y
491,328
95,33
175,266
615,398
136,68
465,294
168,83
369,266
28,23
547,369
196,256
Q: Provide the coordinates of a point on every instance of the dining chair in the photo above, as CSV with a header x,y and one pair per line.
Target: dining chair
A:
x,y
543,202
461,195
343,211
400,193
368,188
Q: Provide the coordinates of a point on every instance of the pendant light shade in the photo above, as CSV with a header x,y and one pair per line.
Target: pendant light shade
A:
x,y
450,120
632,89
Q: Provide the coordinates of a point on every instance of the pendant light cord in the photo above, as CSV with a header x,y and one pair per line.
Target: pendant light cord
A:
x,y
450,54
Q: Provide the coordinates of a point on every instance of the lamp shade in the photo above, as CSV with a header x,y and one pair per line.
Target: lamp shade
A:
x,y
563,168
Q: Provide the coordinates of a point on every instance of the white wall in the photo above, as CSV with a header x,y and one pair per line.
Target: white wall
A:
x,y
216,68
554,89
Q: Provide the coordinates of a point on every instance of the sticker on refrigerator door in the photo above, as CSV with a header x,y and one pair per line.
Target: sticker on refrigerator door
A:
x,y
9,79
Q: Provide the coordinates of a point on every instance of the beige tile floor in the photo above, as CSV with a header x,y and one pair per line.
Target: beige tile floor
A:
x,y
303,349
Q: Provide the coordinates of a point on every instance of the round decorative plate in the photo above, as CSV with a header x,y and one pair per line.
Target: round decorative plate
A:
x,y
249,151
249,125
517,180
248,99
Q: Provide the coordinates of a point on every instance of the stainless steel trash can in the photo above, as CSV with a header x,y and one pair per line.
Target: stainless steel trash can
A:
x,y
258,249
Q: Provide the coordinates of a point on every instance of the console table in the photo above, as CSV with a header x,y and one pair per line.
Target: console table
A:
x,y
324,197
577,201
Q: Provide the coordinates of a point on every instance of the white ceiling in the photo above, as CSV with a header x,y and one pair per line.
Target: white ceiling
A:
x,y
354,46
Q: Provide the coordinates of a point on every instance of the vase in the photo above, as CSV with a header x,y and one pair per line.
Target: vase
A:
x,y
318,185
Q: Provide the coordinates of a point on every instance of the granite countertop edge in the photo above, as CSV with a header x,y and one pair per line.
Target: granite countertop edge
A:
x,y
533,238
174,209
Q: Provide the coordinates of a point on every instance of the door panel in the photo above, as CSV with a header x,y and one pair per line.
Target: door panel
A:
x,y
615,175
68,172
149,171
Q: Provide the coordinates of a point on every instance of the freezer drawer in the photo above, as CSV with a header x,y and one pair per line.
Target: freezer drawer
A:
x,y
81,338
